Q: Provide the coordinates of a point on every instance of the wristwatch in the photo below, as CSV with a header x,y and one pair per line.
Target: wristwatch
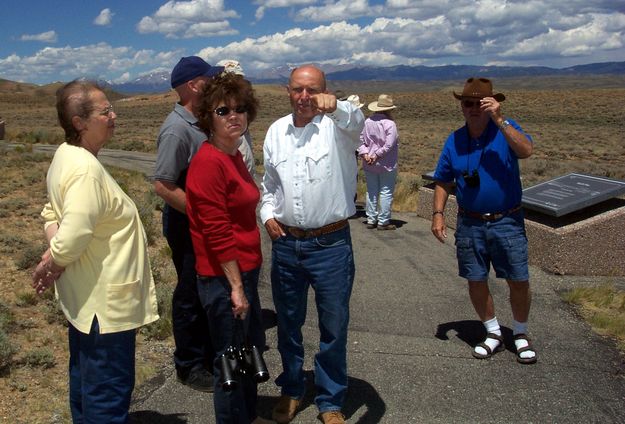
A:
x,y
505,123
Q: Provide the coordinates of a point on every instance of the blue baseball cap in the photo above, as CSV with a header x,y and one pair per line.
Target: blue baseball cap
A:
x,y
192,67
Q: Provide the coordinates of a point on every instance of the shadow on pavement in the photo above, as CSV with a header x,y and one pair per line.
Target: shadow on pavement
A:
x,y
152,417
469,331
367,397
397,222
269,318
472,332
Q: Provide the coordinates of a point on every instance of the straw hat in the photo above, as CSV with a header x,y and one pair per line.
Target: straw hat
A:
x,y
385,102
355,100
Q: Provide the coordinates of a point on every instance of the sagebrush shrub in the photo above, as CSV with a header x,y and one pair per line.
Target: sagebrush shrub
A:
x,y
7,350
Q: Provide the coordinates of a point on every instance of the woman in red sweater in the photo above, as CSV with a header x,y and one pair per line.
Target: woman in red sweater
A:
x,y
221,206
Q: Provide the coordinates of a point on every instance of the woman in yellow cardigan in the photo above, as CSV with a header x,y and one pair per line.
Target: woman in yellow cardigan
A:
x,y
97,259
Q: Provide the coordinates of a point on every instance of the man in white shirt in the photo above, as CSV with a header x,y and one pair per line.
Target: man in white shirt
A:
x,y
308,194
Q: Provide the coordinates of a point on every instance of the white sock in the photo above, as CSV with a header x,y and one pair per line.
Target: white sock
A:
x,y
521,328
492,326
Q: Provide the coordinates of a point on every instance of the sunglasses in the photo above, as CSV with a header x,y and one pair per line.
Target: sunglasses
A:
x,y
470,103
225,110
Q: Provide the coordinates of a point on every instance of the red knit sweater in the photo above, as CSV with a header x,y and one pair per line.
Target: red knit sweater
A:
x,y
221,206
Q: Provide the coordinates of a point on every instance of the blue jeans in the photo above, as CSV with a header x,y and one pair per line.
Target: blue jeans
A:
x,y
101,375
327,264
189,324
380,188
502,243
237,406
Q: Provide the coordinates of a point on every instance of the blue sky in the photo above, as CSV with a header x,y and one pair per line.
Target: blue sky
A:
x,y
42,41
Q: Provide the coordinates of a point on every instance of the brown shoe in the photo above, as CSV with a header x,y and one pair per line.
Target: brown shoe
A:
x,y
386,227
332,417
285,409
371,226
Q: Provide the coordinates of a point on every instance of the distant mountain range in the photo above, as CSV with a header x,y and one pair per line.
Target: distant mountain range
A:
x,y
159,82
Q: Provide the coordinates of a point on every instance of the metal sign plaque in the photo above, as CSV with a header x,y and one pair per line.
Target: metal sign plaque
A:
x,y
570,193
428,176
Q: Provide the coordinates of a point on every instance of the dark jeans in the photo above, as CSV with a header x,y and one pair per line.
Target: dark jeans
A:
x,y
327,264
237,406
190,328
101,375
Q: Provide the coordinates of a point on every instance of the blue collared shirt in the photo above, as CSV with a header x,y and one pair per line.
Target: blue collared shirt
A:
x,y
496,163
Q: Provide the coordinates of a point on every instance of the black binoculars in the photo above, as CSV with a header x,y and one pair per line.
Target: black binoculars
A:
x,y
472,180
242,362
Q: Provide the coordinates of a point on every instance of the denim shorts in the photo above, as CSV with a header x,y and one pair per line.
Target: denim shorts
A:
x,y
502,243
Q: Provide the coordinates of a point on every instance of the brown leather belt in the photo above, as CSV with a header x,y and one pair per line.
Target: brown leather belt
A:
x,y
488,216
314,232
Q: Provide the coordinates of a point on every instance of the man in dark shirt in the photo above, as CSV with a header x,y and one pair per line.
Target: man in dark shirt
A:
x,y
178,140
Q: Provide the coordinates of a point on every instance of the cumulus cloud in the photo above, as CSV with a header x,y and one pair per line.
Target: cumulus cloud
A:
x,y
189,19
580,41
206,29
260,13
45,37
95,61
428,32
342,9
283,3
269,4
462,31
397,40
125,77
104,18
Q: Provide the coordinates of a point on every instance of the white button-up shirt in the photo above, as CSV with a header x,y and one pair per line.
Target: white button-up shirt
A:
x,y
310,172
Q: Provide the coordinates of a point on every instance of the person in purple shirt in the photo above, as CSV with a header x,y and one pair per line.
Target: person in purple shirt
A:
x,y
379,161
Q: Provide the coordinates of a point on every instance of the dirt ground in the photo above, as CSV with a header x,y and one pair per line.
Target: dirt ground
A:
x,y
575,130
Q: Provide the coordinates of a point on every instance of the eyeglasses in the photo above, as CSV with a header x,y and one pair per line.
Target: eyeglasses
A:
x,y
225,110
470,103
106,111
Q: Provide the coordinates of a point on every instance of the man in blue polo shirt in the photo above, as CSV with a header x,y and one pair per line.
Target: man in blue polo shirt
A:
x,y
481,161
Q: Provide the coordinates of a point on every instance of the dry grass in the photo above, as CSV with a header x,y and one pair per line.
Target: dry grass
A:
x,y
603,307
575,123
33,333
577,126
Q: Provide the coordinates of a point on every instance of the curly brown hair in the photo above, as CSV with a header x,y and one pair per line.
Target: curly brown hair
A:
x,y
229,88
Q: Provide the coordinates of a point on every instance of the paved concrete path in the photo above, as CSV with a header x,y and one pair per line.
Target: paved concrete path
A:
x,y
134,161
409,351
411,332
